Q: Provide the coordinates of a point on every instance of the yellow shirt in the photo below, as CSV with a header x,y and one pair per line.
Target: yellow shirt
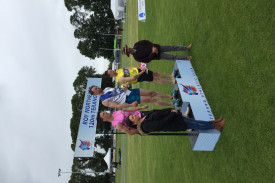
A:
x,y
127,73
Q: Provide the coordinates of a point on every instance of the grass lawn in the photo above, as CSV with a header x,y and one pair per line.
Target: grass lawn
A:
x,y
233,56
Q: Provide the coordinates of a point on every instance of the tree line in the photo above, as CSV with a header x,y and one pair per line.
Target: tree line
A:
x,y
96,163
91,19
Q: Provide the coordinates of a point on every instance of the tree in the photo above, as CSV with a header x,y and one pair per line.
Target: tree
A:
x,y
80,83
75,5
104,141
90,18
78,19
97,162
102,127
88,165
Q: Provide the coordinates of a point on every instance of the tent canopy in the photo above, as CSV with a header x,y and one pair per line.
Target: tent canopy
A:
x,y
107,159
117,7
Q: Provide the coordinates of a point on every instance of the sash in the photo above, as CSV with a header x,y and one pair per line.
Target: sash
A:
x,y
110,94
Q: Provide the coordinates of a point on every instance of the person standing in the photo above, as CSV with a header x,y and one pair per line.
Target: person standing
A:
x,y
145,51
119,98
133,75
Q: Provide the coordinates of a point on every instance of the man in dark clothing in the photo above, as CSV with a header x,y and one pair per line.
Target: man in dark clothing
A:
x,y
170,120
145,51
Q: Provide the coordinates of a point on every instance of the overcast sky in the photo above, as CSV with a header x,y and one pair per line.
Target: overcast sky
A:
x,y
38,64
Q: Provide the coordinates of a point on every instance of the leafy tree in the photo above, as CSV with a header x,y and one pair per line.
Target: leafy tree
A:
x,y
105,178
103,127
104,141
97,162
75,5
94,164
90,18
80,83
78,19
111,60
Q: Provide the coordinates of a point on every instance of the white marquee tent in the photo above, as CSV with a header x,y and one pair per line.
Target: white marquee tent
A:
x,y
108,158
118,9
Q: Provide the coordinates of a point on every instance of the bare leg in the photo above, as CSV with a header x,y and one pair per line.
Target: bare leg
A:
x,y
144,92
162,81
158,75
186,114
148,99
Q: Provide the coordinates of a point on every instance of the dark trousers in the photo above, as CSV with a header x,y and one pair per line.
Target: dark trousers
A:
x,y
167,48
165,120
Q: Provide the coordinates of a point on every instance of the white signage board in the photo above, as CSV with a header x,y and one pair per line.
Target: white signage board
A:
x,y
191,91
87,128
141,10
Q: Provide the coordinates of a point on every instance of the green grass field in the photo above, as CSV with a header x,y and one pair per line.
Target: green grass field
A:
x,y
233,55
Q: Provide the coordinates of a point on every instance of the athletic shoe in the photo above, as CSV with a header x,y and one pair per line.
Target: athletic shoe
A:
x,y
176,102
173,94
175,73
174,81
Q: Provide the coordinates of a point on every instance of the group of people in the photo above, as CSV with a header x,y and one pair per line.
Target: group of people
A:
x,y
133,121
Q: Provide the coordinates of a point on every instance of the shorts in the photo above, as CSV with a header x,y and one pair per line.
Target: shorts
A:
x,y
134,96
146,77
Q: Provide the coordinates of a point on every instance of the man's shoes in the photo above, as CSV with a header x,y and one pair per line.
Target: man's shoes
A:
x,y
175,73
173,94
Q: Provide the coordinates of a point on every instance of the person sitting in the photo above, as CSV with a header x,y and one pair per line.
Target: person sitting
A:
x,y
170,120
115,164
119,119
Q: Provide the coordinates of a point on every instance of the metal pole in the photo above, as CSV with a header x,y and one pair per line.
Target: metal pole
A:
x,y
110,133
111,34
59,172
108,49
170,134
85,172
156,134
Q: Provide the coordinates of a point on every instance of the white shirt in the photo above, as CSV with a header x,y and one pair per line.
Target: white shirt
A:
x,y
120,98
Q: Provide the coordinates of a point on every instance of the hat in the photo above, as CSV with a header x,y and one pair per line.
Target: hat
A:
x,y
124,50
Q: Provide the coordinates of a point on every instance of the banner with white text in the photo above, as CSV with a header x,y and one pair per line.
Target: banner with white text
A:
x,y
87,128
